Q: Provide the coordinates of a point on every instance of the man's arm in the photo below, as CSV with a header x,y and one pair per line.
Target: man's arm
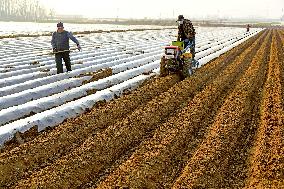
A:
x,y
70,36
179,33
53,41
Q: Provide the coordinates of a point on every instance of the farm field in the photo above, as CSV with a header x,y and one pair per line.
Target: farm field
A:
x,y
114,123
31,28
32,94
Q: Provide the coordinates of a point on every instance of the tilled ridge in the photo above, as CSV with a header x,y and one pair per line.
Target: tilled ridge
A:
x,y
156,162
205,169
267,161
280,41
236,168
52,145
102,149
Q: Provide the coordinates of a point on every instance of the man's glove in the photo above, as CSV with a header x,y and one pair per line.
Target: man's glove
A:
x,y
79,47
54,50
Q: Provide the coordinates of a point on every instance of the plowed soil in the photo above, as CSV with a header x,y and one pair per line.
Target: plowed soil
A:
x,y
220,128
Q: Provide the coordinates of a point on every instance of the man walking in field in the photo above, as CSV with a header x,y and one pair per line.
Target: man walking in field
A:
x,y
186,33
248,27
61,48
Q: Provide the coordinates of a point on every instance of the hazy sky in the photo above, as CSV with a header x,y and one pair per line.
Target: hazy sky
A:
x,y
168,8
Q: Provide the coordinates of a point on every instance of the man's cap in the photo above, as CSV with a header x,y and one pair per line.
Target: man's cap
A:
x,y
180,17
60,24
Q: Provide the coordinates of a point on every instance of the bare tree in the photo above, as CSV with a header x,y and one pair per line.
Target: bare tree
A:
x,y
22,10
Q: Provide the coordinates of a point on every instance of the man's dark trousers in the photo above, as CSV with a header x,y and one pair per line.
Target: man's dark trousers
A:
x,y
192,48
58,58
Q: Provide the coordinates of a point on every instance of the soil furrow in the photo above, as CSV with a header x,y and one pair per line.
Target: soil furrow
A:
x,y
205,169
157,161
236,170
267,161
280,44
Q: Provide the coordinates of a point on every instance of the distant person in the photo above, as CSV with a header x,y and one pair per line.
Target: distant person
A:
x,y
61,48
248,27
186,33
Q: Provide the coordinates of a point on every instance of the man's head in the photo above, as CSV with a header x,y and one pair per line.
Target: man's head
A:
x,y
60,27
180,19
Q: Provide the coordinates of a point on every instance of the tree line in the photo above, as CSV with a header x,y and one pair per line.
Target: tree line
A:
x,y
23,10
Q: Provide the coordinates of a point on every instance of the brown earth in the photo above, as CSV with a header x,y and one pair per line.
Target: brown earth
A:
x,y
220,128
